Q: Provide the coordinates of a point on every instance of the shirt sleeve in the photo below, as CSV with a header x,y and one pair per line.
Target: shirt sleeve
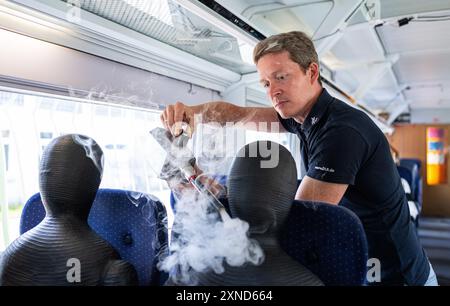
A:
x,y
288,124
337,155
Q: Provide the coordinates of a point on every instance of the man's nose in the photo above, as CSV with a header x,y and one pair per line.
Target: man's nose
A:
x,y
274,91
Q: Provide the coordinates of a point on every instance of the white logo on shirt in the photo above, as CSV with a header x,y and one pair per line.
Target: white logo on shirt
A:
x,y
324,169
314,120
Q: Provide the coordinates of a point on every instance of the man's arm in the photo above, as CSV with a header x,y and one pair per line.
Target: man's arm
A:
x,y
221,112
317,191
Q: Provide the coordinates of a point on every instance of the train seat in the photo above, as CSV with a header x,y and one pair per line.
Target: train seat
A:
x,y
133,223
329,240
414,165
411,185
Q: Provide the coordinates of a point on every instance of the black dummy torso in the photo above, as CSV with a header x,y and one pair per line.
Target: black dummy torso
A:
x,y
261,188
63,250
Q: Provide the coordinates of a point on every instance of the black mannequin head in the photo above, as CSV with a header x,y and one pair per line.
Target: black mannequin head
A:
x,y
261,184
70,173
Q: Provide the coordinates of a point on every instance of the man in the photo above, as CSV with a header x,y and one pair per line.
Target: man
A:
x,y
346,156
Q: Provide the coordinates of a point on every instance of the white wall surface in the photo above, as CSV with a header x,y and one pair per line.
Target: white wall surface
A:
x,y
423,115
29,62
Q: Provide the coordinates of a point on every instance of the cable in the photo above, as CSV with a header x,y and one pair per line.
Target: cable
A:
x,y
444,16
430,20
404,21
346,20
325,36
206,33
323,20
284,7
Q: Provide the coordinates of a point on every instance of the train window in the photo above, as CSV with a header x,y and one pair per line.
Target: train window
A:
x,y
290,141
281,138
174,25
28,122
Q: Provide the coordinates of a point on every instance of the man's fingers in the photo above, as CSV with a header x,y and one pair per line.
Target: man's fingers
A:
x,y
197,170
179,110
184,186
167,117
190,127
215,187
178,117
164,120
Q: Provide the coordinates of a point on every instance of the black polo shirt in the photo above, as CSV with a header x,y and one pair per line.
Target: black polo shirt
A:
x,y
341,144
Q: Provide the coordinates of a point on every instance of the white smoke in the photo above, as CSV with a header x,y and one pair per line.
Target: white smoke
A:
x,y
201,242
87,143
137,197
104,94
201,239
156,219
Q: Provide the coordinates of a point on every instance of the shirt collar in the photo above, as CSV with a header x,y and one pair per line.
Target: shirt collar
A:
x,y
318,110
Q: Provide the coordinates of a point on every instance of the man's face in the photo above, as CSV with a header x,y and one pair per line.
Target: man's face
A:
x,y
289,88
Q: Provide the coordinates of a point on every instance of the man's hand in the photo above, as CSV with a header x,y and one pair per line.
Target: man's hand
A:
x,y
175,115
181,187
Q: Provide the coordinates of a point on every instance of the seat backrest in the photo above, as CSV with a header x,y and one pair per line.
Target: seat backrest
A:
x,y
133,223
414,166
329,240
409,162
407,174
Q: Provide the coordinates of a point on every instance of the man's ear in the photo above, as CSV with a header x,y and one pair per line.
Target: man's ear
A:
x,y
314,70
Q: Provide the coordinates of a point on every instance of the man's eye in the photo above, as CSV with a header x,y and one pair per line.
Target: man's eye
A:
x,y
265,85
281,77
